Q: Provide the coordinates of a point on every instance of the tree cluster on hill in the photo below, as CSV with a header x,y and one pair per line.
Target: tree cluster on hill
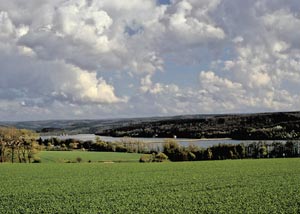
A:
x,y
18,145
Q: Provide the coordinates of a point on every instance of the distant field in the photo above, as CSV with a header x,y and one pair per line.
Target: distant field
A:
x,y
65,156
239,186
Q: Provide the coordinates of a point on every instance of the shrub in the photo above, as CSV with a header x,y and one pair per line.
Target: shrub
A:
x,y
146,158
78,159
191,156
121,148
172,149
36,160
160,157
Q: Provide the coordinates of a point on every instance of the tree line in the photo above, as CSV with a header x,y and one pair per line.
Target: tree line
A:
x,y
175,152
125,145
261,149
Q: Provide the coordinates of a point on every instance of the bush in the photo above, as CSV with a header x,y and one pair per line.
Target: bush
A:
x,y
160,157
78,159
36,160
172,149
121,148
191,156
146,158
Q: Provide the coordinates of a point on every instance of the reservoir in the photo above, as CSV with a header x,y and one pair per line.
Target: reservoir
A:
x,y
157,142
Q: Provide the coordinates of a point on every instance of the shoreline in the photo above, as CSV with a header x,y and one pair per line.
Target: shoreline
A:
x,y
162,140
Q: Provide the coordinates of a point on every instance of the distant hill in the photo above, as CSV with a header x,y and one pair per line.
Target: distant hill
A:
x,y
263,126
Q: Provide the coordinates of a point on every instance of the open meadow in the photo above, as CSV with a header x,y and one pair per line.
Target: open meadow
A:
x,y
72,156
233,186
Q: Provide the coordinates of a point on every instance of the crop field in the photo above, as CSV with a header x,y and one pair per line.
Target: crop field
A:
x,y
71,156
236,186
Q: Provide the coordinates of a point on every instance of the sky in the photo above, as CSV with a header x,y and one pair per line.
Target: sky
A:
x,y
95,59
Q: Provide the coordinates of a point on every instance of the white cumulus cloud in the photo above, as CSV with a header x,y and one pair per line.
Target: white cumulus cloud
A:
x,y
110,58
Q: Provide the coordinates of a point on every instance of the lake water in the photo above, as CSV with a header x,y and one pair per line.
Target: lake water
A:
x,y
156,142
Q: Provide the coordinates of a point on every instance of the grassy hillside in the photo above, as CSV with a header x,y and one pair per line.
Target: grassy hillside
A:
x,y
70,156
241,186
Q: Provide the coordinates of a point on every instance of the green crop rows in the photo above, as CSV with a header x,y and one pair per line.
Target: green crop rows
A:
x,y
240,186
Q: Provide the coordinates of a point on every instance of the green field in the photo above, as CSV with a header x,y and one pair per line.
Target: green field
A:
x,y
233,186
70,156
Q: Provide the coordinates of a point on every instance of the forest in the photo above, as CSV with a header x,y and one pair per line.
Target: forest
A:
x,y
263,126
